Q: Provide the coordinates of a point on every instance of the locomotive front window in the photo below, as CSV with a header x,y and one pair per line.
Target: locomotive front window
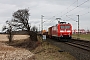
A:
x,y
64,27
67,27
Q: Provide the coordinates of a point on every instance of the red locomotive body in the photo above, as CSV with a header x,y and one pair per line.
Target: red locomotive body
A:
x,y
61,30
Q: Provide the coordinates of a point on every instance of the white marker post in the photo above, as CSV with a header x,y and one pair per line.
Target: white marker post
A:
x,y
44,37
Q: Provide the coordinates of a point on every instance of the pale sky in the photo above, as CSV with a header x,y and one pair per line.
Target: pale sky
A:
x,y
67,10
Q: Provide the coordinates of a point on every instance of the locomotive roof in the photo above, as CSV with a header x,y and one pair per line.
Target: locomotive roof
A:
x,y
62,22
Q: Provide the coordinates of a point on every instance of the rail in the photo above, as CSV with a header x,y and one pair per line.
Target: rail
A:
x,y
85,45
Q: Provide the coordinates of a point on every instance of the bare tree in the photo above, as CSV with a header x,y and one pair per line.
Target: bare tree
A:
x,y
34,28
8,30
20,20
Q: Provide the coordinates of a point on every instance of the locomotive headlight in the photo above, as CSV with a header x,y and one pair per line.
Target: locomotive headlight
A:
x,y
61,31
68,31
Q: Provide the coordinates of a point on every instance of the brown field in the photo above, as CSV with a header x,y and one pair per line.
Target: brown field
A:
x,y
3,37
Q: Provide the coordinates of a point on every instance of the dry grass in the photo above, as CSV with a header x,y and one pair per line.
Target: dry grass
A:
x,y
3,37
8,52
47,51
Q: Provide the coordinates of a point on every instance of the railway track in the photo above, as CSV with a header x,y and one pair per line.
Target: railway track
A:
x,y
82,44
80,49
85,45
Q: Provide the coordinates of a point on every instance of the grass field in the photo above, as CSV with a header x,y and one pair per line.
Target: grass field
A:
x,y
3,37
82,36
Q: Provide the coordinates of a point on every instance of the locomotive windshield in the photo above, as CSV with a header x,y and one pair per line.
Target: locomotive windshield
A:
x,y
67,27
64,27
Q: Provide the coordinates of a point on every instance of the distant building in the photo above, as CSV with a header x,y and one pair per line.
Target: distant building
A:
x,y
75,31
88,31
82,31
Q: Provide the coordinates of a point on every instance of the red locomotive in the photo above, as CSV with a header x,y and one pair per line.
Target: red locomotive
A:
x,y
61,30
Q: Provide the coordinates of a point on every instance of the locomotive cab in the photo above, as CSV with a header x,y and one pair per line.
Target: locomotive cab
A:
x,y
64,30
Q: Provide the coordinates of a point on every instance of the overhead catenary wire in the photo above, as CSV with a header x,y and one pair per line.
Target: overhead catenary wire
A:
x,y
79,14
75,7
78,5
83,3
86,12
69,6
83,13
71,18
63,10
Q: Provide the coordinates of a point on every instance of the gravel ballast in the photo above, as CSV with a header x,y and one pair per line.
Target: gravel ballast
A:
x,y
79,54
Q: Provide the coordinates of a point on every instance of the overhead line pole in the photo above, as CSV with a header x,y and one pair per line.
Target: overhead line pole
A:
x,y
78,26
42,23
